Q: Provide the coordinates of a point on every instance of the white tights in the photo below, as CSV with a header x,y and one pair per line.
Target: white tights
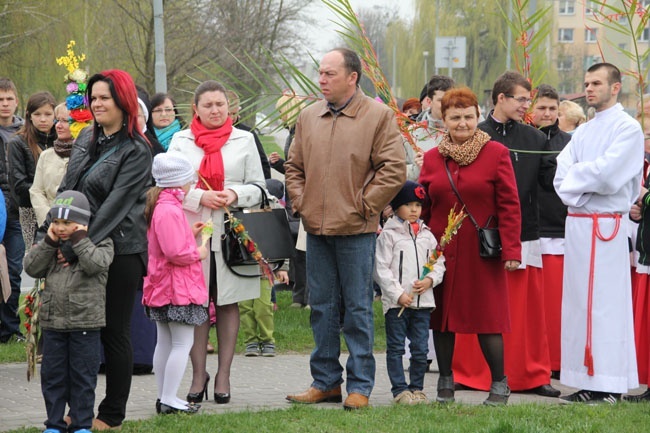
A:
x,y
170,359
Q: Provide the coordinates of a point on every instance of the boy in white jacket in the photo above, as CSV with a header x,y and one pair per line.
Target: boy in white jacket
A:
x,y
403,247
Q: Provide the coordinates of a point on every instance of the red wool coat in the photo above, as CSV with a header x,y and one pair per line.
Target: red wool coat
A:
x,y
473,297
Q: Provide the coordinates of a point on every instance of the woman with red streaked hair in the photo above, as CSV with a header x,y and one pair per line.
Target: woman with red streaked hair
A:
x,y
473,298
111,165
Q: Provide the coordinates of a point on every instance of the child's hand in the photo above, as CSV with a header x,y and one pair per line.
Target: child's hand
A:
x,y
203,252
50,233
80,227
197,227
421,286
405,300
419,159
282,277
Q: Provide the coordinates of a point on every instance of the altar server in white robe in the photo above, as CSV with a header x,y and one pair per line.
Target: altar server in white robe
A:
x,y
599,178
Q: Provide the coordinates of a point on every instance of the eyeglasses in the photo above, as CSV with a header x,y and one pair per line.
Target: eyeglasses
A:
x,y
163,110
62,120
522,99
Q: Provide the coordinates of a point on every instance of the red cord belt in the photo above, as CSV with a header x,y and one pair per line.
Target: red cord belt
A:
x,y
595,233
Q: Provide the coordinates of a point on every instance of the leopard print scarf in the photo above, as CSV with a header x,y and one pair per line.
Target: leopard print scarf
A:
x,y
465,153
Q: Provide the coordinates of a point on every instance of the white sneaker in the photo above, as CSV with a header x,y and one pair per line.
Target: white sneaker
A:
x,y
405,397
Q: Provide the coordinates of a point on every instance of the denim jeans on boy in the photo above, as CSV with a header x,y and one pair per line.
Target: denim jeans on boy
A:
x,y
339,277
15,248
69,376
414,324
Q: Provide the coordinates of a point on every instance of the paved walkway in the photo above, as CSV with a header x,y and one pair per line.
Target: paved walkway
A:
x,y
257,384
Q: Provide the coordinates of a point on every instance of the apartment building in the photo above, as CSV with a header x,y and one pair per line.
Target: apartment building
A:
x,y
581,37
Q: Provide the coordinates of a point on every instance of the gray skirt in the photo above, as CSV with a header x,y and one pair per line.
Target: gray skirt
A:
x,y
192,314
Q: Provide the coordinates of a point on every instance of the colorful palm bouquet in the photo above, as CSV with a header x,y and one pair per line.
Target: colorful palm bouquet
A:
x,y
30,307
76,101
238,227
454,221
206,232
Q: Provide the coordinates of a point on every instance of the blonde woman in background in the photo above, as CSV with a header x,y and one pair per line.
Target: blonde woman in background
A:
x,y
289,106
570,116
52,165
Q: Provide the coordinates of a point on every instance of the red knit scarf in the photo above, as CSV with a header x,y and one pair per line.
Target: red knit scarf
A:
x,y
211,141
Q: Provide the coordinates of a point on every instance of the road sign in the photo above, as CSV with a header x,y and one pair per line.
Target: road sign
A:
x,y
451,52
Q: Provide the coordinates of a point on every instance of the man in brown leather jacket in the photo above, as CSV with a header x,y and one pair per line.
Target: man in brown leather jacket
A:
x,y
345,165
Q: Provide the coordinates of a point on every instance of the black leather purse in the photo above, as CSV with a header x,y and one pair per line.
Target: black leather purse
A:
x,y
489,240
268,227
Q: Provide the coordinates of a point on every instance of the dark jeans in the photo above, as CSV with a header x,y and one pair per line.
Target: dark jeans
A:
x,y
69,376
124,276
413,324
15,246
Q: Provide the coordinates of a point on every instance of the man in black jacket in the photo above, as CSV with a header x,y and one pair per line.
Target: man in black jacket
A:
x,y
552,214
526,347
13,239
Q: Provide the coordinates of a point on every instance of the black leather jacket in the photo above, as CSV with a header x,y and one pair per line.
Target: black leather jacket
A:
x,y
22,166
115,187
531,168
6,134
552,212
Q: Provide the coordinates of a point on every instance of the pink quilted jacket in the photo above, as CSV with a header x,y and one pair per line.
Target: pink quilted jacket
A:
x,y
174,274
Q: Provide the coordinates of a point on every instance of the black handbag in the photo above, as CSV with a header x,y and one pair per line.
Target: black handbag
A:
x,y
269,229
489,240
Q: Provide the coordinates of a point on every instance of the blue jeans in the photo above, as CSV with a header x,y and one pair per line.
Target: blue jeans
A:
x,y
15,247
413,324
339,277
69,376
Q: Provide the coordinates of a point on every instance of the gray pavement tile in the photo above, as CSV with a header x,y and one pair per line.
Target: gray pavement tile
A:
x,y
256,384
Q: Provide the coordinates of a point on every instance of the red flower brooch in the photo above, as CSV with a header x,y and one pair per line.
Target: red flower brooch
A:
x,y
419,192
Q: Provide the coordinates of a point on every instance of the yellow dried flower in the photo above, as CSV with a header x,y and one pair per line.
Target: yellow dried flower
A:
x,y
70,60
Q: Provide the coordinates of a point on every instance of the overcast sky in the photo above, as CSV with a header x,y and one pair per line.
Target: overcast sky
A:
x,y
324,34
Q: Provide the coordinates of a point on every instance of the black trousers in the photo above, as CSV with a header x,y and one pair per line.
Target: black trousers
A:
x,y
298,266
124,276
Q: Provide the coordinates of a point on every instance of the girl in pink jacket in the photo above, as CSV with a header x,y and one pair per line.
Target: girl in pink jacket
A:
x,y
174,289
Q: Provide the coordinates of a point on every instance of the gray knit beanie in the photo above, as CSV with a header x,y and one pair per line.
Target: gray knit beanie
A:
x,y
71,205
172,169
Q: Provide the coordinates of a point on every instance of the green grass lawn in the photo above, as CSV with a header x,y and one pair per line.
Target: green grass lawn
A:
x,y
269,144
528,418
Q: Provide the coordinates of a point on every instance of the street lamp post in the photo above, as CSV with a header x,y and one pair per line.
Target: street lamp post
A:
x,y
160,66
426,69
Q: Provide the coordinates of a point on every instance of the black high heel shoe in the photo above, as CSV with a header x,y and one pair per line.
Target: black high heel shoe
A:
x,y
157,405
197,397
191,409
222,397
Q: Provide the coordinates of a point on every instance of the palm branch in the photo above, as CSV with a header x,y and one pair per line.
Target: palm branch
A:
x,y
627,18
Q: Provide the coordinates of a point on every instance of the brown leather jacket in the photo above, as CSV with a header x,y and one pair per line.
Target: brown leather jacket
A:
x,y
344,169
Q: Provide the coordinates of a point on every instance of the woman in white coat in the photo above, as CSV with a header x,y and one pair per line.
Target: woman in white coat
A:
x,y
229,164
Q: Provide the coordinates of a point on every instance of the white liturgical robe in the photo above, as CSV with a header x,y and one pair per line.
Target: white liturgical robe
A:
x,y
599,177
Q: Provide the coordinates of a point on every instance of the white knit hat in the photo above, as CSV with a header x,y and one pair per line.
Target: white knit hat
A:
x,y
172,169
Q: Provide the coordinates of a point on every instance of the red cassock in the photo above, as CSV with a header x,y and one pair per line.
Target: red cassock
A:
x,y
552,271
473,297
641,304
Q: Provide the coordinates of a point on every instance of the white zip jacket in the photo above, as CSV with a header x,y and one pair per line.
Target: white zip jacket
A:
x,y
399,259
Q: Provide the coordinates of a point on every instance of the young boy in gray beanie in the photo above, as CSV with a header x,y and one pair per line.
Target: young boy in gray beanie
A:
x,y
72,312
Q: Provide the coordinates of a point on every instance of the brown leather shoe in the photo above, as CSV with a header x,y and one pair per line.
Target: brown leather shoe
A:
x,y
313,395
99,425
355,401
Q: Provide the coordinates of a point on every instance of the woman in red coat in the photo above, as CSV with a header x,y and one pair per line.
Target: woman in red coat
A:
x,y
473,298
